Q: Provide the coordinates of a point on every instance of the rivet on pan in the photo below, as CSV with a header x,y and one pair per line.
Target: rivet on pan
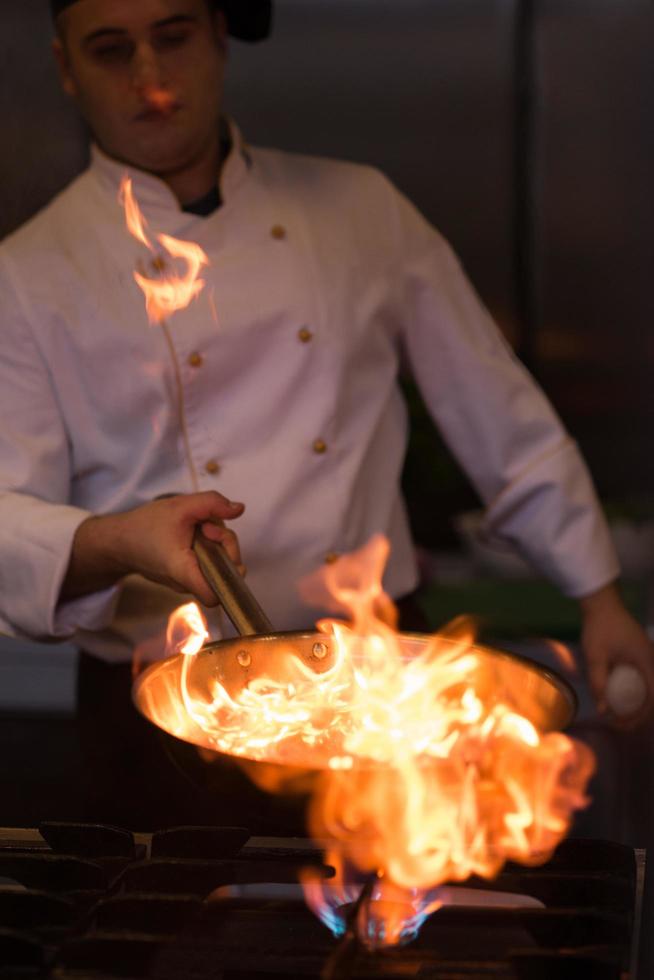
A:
x,y
319,650
244,658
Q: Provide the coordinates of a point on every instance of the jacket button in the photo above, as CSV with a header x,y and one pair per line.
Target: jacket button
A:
x,y
212,467
320,447
278,232
331,557
195,359
305,335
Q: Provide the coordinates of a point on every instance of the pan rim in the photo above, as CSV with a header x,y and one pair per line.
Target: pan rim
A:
x,y
569,706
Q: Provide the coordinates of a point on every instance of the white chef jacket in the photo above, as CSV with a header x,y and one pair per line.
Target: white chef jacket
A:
x,y
322,277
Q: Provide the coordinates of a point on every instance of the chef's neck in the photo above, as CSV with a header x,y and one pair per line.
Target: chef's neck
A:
x,y
199,176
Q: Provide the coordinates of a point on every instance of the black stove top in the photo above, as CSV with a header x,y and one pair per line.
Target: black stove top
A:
x,y
86,901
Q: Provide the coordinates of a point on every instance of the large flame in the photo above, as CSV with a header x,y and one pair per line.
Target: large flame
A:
x,y
169,291
425,774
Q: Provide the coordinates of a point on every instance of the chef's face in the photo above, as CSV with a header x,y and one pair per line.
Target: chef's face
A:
x,y
147,76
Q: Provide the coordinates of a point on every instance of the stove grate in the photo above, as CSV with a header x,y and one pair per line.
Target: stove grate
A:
x,y
81,902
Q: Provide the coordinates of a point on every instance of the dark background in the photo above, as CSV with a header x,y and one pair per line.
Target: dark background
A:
x,y
524,129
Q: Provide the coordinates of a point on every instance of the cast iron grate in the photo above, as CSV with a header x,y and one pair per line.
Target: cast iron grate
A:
x,y
98,902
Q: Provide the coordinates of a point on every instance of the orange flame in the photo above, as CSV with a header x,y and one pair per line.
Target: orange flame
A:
x,y
134,218
430,766
563,654
187,631
170,291
159,98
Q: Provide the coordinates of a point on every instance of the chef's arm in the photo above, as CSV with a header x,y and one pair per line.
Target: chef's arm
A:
x,y
153,540
538,493
610,636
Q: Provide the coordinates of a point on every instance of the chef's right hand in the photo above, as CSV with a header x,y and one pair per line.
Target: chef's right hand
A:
x,y
154,540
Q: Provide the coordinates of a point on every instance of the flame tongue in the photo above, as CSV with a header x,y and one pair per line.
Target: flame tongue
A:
x,y
135,221
171,291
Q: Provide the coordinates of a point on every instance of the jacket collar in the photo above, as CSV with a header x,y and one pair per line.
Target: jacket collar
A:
x,y
153,194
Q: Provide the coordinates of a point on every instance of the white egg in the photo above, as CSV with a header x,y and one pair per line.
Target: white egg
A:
x,y
625,690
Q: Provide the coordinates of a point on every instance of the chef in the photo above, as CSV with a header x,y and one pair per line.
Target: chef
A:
x,y
281,411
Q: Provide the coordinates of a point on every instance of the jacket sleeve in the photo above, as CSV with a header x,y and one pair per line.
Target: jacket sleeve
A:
x,y
495,419
37,521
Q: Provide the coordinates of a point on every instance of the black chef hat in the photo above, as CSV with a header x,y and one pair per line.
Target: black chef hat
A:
x,y
249,20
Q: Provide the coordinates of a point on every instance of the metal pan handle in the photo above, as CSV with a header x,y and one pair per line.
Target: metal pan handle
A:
x,y
230,588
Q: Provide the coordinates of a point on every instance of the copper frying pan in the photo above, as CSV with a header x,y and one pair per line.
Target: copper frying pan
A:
x,y
260,653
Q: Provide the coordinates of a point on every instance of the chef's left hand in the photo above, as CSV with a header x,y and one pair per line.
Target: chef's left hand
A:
x,y
611,636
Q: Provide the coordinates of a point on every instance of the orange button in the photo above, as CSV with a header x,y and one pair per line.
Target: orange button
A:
x,y
278,232
320,447
196,359
305,335
331,557
212,467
